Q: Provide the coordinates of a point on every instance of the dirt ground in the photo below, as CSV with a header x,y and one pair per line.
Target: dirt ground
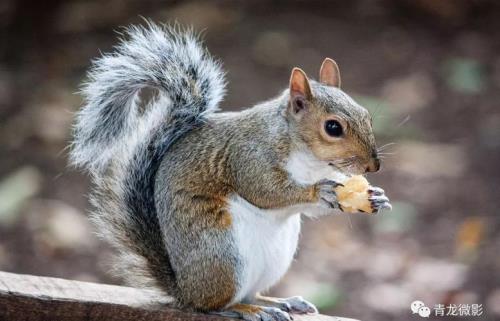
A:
x,y
428,70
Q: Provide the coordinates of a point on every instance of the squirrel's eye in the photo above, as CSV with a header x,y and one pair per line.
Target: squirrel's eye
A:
x,y
333,128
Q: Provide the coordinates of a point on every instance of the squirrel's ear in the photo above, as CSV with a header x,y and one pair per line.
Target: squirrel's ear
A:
x,y
299,84
300,90
329,73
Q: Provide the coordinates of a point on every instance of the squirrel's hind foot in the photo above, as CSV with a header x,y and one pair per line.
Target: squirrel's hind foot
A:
x,y
295,304
251,312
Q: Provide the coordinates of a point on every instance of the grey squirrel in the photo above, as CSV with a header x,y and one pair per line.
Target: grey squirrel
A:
x,y
205,205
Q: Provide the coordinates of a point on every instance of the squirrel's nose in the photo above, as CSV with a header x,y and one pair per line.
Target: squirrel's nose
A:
x,y
374,164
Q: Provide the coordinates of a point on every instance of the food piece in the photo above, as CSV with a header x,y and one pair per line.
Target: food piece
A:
x,y
354,196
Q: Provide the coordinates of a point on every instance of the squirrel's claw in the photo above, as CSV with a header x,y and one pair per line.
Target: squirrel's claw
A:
x,y
376,191
378,200
276,314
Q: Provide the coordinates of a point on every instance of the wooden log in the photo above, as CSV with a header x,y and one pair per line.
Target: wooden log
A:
x,y
34,298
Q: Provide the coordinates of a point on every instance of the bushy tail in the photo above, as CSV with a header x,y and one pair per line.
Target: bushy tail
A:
x,y
122,147
168,59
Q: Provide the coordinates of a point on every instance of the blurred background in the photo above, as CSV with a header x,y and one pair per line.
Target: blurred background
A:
x,y
428,70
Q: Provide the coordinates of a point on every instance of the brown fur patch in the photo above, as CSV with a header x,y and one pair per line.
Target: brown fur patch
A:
x,y
222,297
225,219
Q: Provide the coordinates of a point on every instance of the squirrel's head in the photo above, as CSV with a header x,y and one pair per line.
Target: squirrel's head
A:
x,y
336,129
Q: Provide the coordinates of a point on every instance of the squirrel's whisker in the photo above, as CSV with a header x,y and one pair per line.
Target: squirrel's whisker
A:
x,y
404,121
385,146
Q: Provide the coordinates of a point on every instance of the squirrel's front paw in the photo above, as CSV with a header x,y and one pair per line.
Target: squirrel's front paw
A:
x,y
327,194
378,200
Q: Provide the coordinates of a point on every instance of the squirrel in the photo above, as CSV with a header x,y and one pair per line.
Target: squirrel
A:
x,y
204,205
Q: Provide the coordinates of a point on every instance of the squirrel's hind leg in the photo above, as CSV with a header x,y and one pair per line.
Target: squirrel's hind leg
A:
x,y
251,312
295,304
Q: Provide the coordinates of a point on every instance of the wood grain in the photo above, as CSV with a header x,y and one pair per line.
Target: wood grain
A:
x,y
34,298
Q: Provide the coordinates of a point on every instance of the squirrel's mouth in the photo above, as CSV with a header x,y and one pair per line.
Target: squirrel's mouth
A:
x,y
351,169
350,165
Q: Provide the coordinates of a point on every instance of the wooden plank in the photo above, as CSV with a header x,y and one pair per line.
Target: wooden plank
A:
x,y
34,298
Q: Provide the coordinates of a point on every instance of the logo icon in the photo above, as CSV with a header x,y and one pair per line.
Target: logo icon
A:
x,y
418,307
441,310
424,312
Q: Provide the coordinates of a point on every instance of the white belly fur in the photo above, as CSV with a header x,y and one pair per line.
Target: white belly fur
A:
x,y
266,242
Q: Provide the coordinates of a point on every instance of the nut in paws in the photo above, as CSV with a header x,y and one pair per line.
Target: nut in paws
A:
x,y
358,196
